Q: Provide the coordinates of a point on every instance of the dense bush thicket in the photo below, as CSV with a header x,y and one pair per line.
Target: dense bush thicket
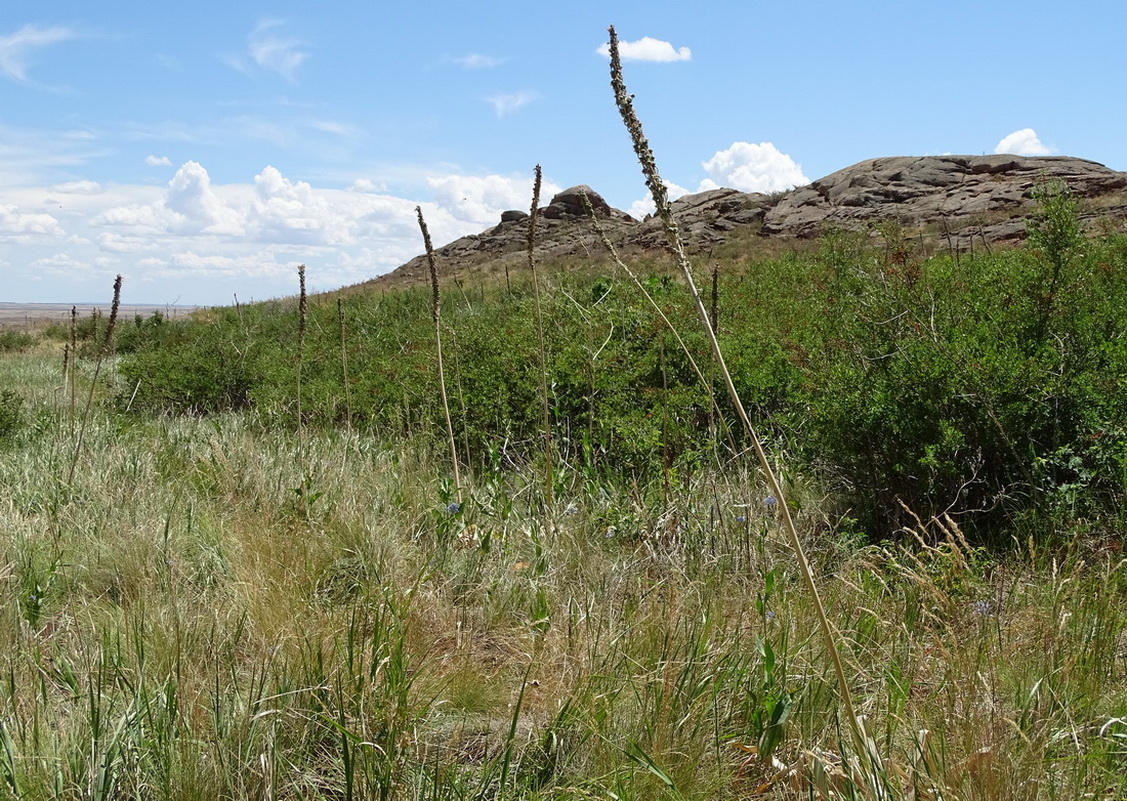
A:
x,y
992,385
12,341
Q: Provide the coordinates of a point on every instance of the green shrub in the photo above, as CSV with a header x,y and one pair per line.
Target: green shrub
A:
x,y
11,414
985,387
12,341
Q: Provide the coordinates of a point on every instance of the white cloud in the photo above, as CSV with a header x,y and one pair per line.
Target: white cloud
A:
x,y
333,127
752,168
271,52
640,208
197,207
648,49
158,161
505,104
477,61
16,49
188,206
199,241
1023,143
124,243
58,264
481,199
290,212
32,156
78,188
367,185
16,224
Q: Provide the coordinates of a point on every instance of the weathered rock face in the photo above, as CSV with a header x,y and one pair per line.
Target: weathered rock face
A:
x,y
931,189
514,216
569,203
704,218
966,197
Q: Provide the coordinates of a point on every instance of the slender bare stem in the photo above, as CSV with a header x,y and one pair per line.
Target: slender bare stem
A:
x,y
72,375
436,316
103,351
344,364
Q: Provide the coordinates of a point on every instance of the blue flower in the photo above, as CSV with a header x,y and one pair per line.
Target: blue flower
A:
x,y
453,508
771,501
741,518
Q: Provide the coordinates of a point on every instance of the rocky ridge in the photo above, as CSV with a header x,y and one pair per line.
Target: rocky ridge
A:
x,y
957,198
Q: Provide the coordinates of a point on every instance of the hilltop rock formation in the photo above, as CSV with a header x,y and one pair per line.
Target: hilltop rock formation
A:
x,y
934,189
569,203
959,198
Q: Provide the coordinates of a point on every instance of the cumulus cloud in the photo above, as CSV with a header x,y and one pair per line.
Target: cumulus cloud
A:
x,y
196,206
752,168
648,49
242,237
16,49
17,224
158,161
1023,143
481,199
640,208
477,61
188,206
291,212
505,104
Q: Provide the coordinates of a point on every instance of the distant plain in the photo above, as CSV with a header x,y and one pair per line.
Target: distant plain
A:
x,y
20,315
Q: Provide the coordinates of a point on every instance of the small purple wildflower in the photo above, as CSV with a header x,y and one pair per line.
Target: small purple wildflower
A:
x,y
770,615
453,508
741,518
771,501
983,608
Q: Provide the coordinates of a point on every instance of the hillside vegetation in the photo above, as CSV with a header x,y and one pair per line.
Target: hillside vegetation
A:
x,y
211,595
986,387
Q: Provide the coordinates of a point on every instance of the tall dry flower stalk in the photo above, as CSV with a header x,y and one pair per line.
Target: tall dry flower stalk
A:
x,y
103,351
344,364
73,339
302,313
625,102
533,215
436,316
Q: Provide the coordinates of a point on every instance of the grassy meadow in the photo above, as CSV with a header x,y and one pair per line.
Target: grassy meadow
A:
x,y
236,564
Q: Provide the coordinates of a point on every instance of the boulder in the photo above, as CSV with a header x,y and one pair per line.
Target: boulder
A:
x,y
514,216
569,203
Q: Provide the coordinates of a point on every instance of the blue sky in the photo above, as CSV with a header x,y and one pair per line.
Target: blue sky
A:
x,y
204,150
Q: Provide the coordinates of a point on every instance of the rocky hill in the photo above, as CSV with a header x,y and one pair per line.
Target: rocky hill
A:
x,y
952,200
